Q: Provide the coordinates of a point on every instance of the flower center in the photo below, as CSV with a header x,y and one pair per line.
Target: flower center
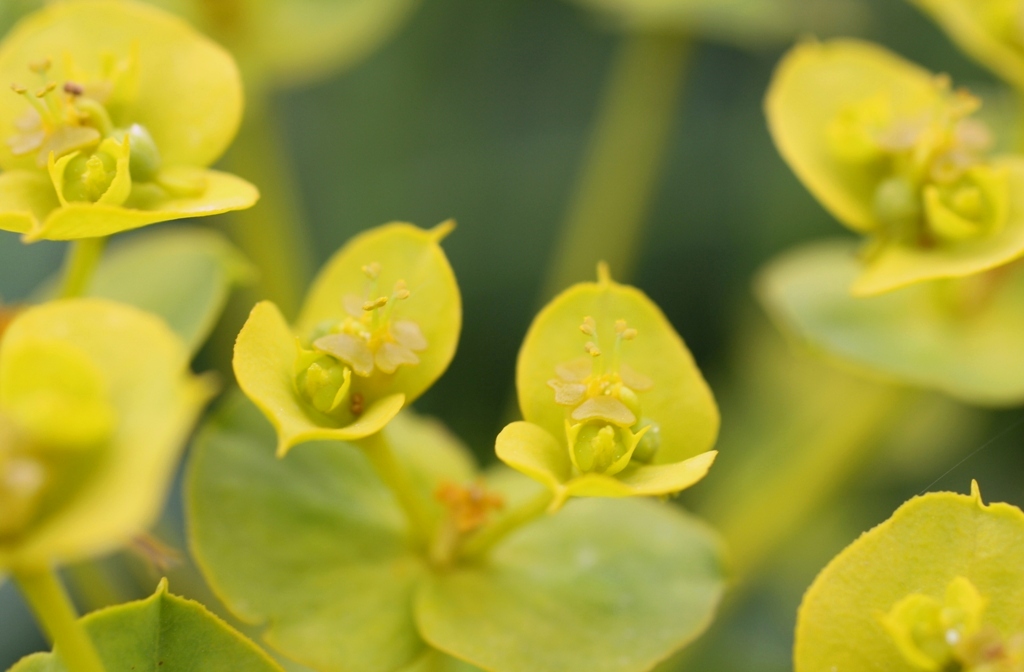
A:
x,y
605,428
951,634
70,124
928,159
369,340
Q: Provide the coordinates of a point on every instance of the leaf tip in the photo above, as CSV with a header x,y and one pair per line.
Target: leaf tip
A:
x,y
441,231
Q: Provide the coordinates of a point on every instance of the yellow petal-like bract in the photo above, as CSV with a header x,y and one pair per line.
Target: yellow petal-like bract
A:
x,y
380,324
612,400
937,586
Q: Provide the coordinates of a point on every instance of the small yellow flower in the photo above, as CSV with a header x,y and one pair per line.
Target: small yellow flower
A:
x,y
894,153
379,326
116,109
96,401
613,403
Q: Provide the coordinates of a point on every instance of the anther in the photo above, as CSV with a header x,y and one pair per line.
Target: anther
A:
x,y
592,349
375,304
43,92
401,292
19,89
41,66
629,334
372,270
73,88
589,327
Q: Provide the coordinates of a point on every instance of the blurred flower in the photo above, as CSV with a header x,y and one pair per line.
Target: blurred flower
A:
x,y
620,411
117,109
991,31
96,401
379,326
893,152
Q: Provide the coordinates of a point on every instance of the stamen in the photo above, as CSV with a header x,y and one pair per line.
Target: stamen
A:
x,y
73,89
589,327
43,110
40,67
375,304
372,270
592,349
45,91
401,292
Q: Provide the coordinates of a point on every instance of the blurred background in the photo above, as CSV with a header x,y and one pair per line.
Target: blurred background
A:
x,y
482,112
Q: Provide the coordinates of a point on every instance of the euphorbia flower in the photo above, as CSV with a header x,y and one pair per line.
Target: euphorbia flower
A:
x,y
117,108
379,326
96,401
894,153
613,403
991,31
936,587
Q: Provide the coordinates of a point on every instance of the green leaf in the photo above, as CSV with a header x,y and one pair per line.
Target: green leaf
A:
x,y
603,586
939,335
313,545
926,544
435,661
182,274
163,633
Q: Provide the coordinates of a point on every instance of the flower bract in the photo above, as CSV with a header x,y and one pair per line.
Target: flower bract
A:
x,y
379,326
96,401
116,110
936,587
612,401
894,153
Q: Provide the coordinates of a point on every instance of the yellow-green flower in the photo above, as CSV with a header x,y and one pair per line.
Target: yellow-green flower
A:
x,y
96,400
991,31
894,153
937,587
379,326
116,110
613,404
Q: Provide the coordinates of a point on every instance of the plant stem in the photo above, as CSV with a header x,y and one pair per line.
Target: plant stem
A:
x,y
391,471
607,210
53,609
271,233
81,261
488,537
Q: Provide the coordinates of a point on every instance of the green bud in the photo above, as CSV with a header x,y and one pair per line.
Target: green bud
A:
x,y
145,161
649,443
897,204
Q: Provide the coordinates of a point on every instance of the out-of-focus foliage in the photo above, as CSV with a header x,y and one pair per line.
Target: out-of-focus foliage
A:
x,y
163,633
958,336
290,42
937,586
96,401
747,23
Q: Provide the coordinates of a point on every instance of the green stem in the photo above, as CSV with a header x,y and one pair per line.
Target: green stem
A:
x,y
82,259
391,471
271,233
53,609
607,210
488,537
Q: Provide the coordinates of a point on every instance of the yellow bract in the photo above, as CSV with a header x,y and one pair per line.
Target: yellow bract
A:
x,y
96,401
992,31
936,587
117,109
894,153
379,326
613,403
